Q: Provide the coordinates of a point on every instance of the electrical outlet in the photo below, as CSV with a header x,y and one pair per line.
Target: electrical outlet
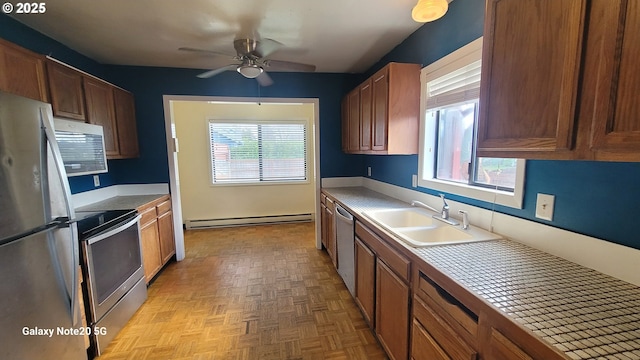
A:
x,y
414,180
96,180
369,171
544,206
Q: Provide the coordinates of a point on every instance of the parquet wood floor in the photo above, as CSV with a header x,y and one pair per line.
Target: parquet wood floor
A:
x,y
261,292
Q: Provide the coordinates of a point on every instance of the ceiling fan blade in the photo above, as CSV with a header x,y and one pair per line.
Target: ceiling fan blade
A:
x,y
210,52
214,72
264,79
290,66
267,47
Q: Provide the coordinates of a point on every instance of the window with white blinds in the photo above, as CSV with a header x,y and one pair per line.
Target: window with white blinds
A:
x,y
460,85
258,152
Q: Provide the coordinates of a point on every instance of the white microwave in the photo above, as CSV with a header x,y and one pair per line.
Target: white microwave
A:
x,y
81,146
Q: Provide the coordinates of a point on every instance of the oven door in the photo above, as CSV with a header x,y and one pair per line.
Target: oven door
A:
x,y
113,264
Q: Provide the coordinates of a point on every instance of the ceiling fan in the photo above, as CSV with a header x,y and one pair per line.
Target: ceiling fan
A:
x,y
252,55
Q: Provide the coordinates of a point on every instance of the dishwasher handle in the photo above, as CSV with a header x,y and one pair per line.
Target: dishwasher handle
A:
x,y
343,214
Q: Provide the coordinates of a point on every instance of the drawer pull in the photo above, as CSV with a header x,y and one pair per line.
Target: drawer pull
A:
x,y
449,298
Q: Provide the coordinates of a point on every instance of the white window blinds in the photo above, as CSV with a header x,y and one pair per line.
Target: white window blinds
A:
x,y
455,87
258,152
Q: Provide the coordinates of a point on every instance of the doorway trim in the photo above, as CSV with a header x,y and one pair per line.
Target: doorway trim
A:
x,y
173,148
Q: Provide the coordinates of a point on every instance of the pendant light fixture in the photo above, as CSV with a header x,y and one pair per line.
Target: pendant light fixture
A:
x,y
429,10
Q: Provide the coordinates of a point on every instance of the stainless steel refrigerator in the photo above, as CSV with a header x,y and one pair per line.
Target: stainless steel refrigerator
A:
x,y
38,247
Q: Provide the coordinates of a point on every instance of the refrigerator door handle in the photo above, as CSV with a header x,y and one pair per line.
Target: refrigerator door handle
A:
x,y
47,124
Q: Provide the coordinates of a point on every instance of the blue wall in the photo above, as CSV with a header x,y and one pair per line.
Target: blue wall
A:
x,y
599,199
150,83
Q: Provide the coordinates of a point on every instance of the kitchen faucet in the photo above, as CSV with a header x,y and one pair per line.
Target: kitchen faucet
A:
x,y
445,208
421,204
444,213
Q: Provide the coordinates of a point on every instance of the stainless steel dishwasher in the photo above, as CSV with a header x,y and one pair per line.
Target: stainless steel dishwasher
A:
x,y
345,245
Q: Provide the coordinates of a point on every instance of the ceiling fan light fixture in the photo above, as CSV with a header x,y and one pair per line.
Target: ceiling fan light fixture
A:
x,y
250,71
429,10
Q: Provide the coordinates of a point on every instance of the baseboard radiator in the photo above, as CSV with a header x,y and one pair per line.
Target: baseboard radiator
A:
x,y
245,221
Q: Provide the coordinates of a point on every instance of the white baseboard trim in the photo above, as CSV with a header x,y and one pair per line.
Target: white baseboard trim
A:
x,y
612,259
93,196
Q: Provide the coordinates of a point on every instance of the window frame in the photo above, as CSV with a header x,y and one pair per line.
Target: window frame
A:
x,y
428,138
308,151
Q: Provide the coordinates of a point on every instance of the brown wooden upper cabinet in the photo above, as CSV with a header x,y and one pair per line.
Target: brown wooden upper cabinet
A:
x,y
351,122
100,111
559,80
22,72
382,115
67,95
125,112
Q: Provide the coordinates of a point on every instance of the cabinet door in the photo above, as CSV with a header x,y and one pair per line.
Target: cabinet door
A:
x,y
125,113
423,346
530,70
392,312
65,87
354,120
99,96
501,348
22,72
323,225
331,233
165,235
151,259
380,109
616,78
345,123
365,116
365,274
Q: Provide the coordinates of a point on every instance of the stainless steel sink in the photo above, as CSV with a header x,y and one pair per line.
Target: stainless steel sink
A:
x,y
415,226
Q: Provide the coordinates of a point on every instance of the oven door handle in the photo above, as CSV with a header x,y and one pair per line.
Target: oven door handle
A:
x,y
112,232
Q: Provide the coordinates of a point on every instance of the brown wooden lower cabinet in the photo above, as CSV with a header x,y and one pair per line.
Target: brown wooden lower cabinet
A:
x,y
441,338
365,274
156,235
150,250
501,348
423,346
392,312
382,291
331,242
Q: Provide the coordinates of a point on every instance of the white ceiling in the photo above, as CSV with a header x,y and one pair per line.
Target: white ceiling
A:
x,y
334,35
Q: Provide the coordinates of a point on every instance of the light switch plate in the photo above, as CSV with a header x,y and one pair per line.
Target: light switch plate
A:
x,y
96,180
369,171
544,206
414,180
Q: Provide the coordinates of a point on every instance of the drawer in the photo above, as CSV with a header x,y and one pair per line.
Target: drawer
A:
x,y
458,312
323,199
397,262
163,207
148,215
440,335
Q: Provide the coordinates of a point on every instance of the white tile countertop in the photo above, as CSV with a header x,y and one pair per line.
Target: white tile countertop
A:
x,y
580,311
